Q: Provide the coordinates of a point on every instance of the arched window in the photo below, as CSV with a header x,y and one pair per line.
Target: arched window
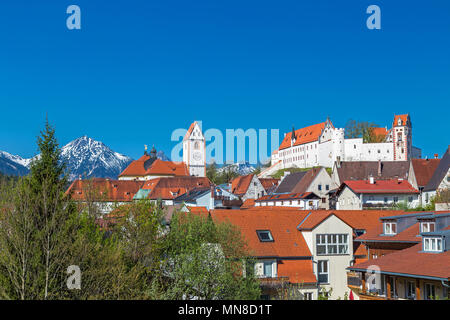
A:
x,y
196,145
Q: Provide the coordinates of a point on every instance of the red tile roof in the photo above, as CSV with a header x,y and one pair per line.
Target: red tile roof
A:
x,y
403,117
380,131
188,133
408,235
157,168
357,219
239,185
268,183
100,189
288,242
249,203
412,262
200,211
170,188
381,186
424,170
297,271
304,135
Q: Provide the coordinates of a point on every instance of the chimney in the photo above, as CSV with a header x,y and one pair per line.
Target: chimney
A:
x,y
371,180
436,156
379,168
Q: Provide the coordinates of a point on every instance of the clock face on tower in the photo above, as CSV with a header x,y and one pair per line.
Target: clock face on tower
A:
x,y
197,156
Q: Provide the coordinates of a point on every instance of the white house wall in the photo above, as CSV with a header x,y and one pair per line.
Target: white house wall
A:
x,y
337,264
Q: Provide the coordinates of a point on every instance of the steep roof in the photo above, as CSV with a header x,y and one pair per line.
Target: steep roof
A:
x,y
289,182
392,186
199,211
269,183
239,185
439,173
424,170
411,262
360,170
288,242
106,190
297,271
189,132
379,131
357,219
297,182
304,135
404,120
146,165
410,234
192,194
173,187
249,203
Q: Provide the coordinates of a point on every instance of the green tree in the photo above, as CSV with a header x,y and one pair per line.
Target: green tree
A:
x,y
204,259
362,129
37,231
211,172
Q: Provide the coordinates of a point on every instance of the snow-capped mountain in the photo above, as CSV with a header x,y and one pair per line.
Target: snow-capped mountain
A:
x,y
87,158
240,168
13,165
83,157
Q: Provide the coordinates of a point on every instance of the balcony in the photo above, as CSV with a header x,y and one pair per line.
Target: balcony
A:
x,y
354,280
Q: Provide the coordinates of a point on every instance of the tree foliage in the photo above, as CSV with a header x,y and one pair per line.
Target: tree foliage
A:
x,y
219,177
362,129
204,260
43,232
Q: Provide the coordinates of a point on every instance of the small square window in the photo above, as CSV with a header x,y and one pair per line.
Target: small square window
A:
x,y
264,235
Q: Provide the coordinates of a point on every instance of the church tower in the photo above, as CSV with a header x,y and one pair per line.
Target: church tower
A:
x,y
402,137
194,150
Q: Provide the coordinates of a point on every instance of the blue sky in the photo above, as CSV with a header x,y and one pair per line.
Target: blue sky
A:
x,y
137,70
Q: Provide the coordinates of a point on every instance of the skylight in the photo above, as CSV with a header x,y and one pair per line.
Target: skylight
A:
x,y
264,235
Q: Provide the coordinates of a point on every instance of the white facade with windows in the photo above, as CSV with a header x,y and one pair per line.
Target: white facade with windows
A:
x,y
331,245
331,145
349,200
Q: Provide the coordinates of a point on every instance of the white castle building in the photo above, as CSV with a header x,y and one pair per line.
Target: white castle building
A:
x,y
322,144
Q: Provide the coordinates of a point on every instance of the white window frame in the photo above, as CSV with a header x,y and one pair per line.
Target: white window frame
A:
x,y
329,240
431,244
428,224
319,264
387,227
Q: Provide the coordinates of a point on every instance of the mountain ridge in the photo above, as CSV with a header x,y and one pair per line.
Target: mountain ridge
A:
x,y
83,157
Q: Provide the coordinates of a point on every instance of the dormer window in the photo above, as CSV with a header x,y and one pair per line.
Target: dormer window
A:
x,y
427,226
264,235
390,228
432,244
